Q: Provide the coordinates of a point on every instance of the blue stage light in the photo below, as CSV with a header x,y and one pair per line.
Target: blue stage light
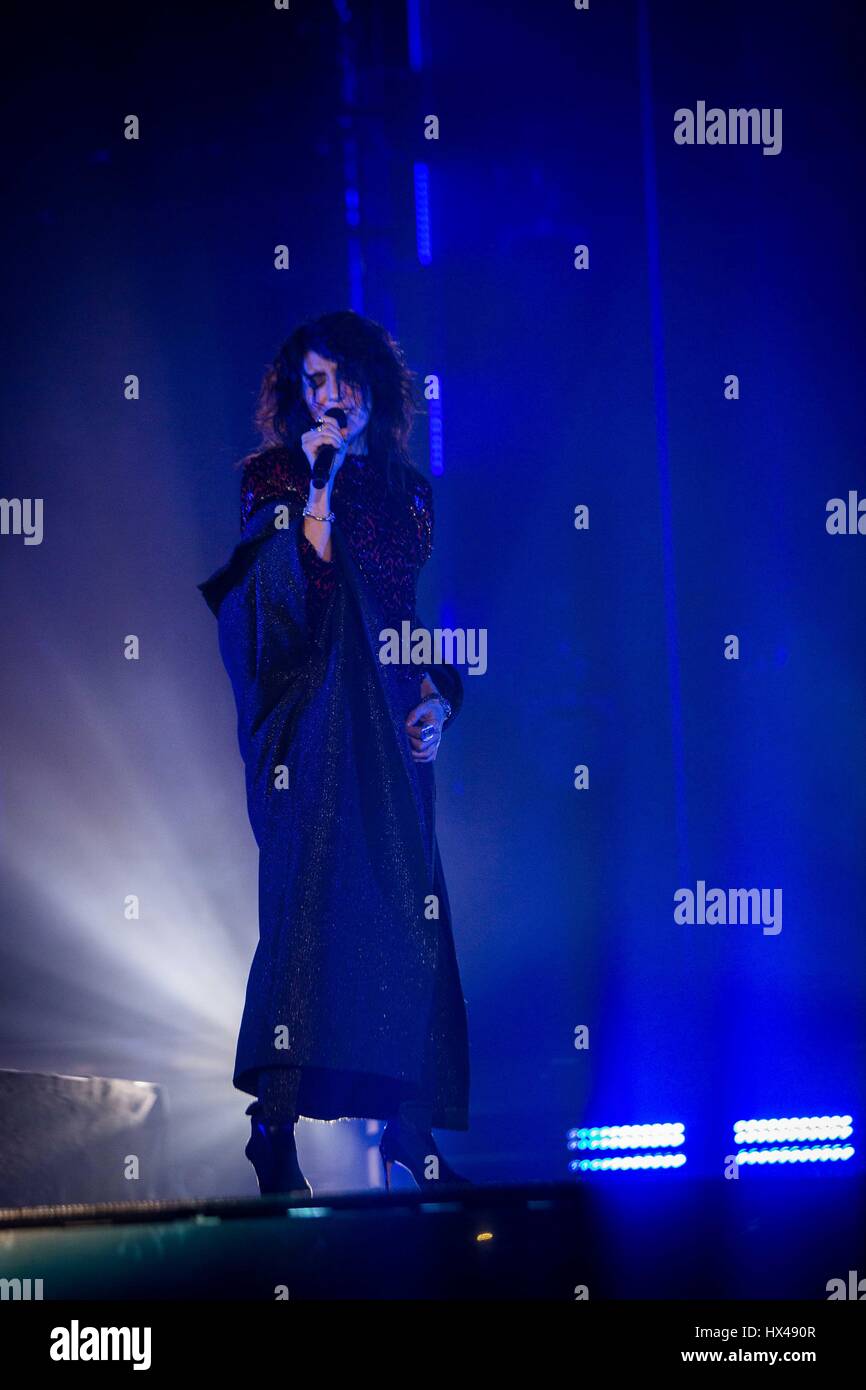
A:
x,y
422,214
804,1127
416,39
646,1136
664,1135
437,462
353,207
816,1153
626,1163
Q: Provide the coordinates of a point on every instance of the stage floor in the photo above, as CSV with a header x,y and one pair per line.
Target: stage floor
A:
x,y
767,1235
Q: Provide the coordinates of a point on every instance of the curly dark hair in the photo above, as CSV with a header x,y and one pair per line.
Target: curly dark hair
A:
x,y
367,358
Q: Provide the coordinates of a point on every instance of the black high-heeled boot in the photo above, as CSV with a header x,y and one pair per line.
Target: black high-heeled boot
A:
x,y
417,1151
272,1152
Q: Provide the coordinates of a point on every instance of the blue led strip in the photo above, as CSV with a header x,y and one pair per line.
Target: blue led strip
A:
x,y
815,1153
793,1139
804,1128
434,417
415,35
595,1138
663,462
658,1136
422,213
625,1163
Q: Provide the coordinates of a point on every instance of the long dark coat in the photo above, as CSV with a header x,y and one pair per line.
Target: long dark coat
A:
x,y
355,967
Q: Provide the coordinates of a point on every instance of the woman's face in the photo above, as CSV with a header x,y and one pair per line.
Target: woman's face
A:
x,y
323,389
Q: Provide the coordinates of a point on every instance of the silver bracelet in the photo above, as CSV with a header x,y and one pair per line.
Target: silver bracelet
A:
x,y
329,517
446,708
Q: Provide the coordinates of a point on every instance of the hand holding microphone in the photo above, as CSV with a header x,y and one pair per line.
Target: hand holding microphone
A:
x,y
323,442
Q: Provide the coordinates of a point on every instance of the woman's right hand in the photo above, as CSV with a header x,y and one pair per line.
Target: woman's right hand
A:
x,y
316,438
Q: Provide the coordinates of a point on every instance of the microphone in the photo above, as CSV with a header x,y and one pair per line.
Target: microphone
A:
x,y
325,456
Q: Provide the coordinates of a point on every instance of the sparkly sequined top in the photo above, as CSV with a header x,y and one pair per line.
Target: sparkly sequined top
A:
x,y
389,535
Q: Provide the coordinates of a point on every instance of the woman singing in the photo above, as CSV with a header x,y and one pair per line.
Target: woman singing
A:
x,y
353,1006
